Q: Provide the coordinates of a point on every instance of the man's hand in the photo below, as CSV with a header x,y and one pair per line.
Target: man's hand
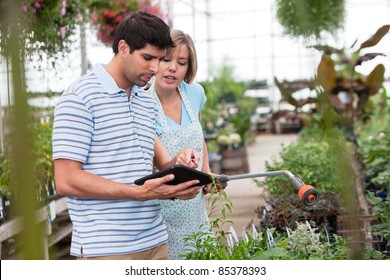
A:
x,y
158,189
188,157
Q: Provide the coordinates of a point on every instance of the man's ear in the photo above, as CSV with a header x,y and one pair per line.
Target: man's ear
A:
x,y
123,48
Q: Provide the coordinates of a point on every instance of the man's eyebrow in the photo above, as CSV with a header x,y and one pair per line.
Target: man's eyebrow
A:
x,y
149,55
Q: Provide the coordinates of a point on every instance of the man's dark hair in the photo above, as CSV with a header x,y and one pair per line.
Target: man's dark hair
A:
x,y
141,28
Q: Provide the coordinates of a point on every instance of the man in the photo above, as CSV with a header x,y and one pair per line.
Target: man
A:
x,y
104,137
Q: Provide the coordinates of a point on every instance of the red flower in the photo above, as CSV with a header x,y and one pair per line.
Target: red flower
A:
x,y
107,19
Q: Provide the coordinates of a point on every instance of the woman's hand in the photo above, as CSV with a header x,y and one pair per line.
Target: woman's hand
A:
x,y
188,157
208,188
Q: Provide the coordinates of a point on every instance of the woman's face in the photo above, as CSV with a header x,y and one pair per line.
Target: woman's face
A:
x,y
173,68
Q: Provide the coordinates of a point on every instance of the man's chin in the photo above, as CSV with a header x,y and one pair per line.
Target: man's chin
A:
x,y
141,83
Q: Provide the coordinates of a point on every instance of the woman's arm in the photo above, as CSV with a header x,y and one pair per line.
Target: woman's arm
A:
x,y
187,156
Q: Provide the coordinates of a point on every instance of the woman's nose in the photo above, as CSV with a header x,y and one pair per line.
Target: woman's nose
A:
x,y
172,67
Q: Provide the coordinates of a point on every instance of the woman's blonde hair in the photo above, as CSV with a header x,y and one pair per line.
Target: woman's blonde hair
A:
x,y
181,38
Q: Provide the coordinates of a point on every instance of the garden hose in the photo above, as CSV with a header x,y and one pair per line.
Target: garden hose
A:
x,y
307,194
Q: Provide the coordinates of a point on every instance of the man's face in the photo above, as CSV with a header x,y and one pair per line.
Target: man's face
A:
x,y
141,65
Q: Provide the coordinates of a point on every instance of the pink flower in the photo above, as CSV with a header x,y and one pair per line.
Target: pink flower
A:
x,y
37,5
25,8
63,32
63,10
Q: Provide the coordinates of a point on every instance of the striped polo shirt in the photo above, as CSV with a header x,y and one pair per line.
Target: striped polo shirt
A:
x,y
95,123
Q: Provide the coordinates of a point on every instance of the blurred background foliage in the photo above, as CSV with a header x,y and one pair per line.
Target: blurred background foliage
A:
x,y
51,26
311,19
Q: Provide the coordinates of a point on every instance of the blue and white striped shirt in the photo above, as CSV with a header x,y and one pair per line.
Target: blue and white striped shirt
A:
x,y
95,123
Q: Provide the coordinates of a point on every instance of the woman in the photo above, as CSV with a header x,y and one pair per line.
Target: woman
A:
x,y
179,103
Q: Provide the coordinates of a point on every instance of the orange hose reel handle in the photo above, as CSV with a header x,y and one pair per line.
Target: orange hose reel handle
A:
x,y
303,189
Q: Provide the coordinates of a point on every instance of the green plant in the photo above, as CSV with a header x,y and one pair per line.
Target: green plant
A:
x,y
246,107
310,18
285,210
381,210
50,25
5,174
202,245
312,158
6,182
211,109
226,100
303,243
277,243
339,86
348,91
42,161
219,204
373,138
225,85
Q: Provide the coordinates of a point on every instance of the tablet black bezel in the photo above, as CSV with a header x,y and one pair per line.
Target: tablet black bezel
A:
x,y
182,174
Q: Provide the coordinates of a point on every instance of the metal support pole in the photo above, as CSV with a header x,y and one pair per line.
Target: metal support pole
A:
x,y
83,49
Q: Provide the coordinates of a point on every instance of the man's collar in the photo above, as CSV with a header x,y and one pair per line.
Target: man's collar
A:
x,y
106,80
109,84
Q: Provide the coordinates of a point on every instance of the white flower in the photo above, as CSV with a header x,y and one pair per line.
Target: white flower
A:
x,y
234,138
381,135
223,139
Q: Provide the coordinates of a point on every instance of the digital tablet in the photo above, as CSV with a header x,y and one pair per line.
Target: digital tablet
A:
x,y
182,174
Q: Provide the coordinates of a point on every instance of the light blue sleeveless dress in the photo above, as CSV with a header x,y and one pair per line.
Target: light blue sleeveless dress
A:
x,y
181,216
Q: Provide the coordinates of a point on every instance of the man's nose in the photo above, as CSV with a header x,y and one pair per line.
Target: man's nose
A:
x,y
154,65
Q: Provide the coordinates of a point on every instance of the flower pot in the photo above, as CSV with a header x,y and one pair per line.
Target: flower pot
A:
x,y
234,161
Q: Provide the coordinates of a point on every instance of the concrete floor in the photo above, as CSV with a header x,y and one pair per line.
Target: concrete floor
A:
x,y
245,195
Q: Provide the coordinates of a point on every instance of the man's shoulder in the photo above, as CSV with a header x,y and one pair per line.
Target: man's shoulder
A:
x,y
84,84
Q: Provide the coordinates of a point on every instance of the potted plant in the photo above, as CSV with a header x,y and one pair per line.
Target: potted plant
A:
x,y
342,92
347,90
